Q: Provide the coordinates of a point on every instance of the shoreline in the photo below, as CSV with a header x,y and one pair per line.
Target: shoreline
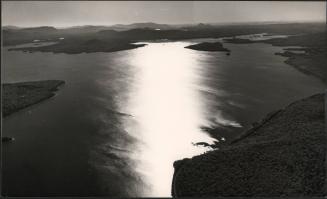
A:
x,y
293,60
311,62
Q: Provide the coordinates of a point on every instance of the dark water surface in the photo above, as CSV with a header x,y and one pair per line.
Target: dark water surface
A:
x,y
121,120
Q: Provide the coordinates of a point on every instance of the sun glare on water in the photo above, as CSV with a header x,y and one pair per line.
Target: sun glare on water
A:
x,y
167,106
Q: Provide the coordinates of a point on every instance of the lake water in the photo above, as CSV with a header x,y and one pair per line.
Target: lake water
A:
x,y
121,120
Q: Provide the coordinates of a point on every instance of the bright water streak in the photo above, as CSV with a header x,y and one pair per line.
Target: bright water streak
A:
x,y
168,110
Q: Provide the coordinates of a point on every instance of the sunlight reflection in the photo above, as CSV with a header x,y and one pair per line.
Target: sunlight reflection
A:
x,y
167,107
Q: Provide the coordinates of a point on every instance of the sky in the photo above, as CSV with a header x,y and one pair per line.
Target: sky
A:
x,y
75,13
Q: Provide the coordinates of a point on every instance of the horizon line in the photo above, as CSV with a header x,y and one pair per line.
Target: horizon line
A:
x,y
176,24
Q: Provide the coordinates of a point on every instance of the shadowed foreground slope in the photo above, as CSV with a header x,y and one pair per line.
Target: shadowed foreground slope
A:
x,y
282,156
17,96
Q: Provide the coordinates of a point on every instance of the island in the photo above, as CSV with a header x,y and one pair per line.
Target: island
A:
x,y
207,46
17,96
284,155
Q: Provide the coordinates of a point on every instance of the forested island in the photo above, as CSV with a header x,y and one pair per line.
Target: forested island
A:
x,y
207,46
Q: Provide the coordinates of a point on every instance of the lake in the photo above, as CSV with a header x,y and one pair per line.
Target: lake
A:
x,y
121,120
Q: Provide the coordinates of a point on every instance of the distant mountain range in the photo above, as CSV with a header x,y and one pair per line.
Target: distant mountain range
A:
x,y
13,35
116,27
149,25
10,27
92,28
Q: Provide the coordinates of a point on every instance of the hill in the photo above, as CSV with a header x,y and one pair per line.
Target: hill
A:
x,y
284,155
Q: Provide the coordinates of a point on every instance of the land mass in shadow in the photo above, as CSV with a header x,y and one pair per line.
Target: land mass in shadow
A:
x,y
207,46
80,46
16,96
284,155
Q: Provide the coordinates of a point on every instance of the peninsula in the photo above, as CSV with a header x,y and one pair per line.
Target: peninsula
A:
x,y
82,46
17,96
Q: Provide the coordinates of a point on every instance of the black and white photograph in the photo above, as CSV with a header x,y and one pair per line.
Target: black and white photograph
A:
x,y
163,99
